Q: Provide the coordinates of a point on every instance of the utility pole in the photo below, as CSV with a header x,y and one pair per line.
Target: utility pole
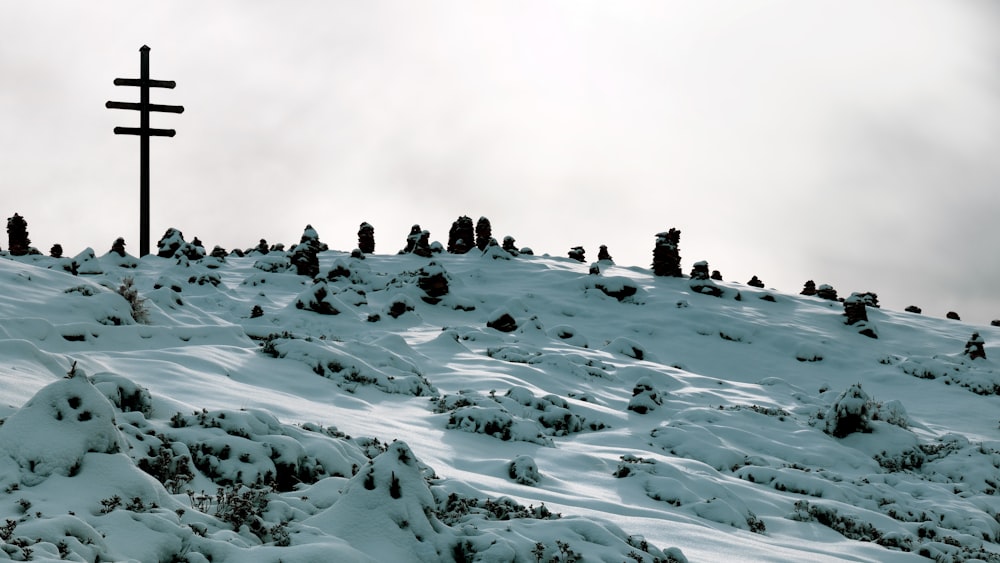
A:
x,y
144,132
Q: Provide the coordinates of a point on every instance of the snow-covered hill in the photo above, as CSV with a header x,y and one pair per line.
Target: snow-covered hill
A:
x,y
479,407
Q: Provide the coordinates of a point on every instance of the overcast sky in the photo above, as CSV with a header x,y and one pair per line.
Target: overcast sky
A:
x,y
855,143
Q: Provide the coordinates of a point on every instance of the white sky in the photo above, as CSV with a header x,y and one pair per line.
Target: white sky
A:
x,y
847,142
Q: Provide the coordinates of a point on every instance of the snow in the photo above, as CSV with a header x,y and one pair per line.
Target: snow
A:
x,y
464,407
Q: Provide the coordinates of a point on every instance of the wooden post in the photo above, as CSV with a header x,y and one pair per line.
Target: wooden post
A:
x,y
144,131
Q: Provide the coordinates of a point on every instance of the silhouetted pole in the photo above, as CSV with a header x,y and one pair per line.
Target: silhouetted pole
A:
x,y
144,132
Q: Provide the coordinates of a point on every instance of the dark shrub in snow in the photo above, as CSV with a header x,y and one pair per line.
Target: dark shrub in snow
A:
x,y
305,257
494,251
339,270
124,394
118,247
699,271
995,322
461,236
826,291
666,254
524,470
366,238
318,298
509,246
56,251
974,347
484,232
913,309
619,288
603,255
755,282
701,282
262,247
870,299
809,288
576,253
173,245
645,397
418,242
502,321
716,275
140,313
171,241
850,413
855,309
953,316
432,279
18,242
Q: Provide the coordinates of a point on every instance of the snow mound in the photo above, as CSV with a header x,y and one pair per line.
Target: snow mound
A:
x,y
56,428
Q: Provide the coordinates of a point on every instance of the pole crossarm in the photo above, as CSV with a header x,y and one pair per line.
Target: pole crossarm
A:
x,y
147,107
148,83
141,131
144,132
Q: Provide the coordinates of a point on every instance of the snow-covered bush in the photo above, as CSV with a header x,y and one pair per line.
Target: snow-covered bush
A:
x,y
701,281
18,243
627,347
118,247
517,415
305,256
433,279
826,291
171,241
645,397
418,242
524,470
850,413
603,255
502,320
510,245
620,288
484,233
809,288
974,348
855,309
666,254
86,263
461,236
319,299
366,238
57,427
399,306
123,393
140,313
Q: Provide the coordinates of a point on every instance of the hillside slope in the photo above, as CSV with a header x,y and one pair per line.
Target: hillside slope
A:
x,y
479,407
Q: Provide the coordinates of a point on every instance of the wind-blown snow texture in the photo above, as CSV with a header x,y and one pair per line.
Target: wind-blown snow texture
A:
x,y
474,408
